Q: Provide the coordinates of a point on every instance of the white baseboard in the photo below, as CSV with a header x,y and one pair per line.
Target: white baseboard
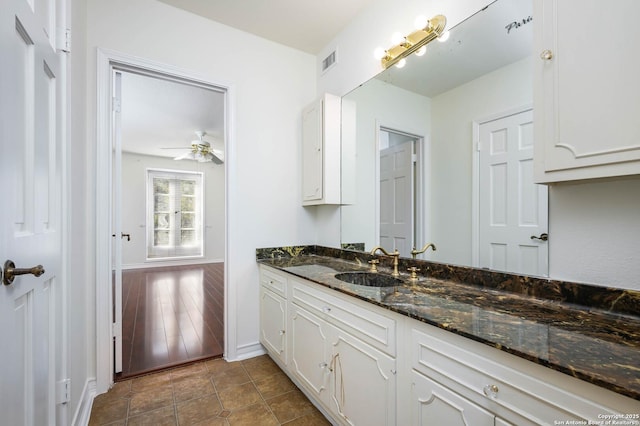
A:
x,y
83,412
246,351
164,263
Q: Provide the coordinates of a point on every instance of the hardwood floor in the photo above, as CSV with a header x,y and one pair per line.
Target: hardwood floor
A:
x,y
171,316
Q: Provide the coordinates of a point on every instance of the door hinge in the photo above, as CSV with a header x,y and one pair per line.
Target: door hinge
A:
x,y
116,330
63,391
64,40
117,105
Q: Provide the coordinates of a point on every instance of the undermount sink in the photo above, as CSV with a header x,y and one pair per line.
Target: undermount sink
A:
x,y
369,279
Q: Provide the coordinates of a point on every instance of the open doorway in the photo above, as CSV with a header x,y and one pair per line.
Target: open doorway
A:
x,y
168,220
400,190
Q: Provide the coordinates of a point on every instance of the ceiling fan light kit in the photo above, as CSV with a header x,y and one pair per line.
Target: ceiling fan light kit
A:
x,y
202,152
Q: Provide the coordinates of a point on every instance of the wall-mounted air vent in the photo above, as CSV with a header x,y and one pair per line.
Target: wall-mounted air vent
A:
x,y
329,61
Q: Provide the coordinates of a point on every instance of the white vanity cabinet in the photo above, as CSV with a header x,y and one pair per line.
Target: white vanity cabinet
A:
x,y
321,151
586,90
364,365
343,352
454,376
273,313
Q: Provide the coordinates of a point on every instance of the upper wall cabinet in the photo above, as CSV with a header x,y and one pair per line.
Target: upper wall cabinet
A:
x,y
321,152
586,89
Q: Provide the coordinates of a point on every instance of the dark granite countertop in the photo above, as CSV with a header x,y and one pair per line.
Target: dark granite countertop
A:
x,y
589,332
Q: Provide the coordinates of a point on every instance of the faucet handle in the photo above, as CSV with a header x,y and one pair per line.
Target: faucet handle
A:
x,y
374,265
414,273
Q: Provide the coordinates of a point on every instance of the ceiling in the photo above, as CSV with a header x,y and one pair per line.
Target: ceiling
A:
x,y
160,117
158,114
304,25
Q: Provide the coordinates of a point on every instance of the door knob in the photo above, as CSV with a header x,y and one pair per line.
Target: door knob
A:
x,y
10,271
542,237
546,55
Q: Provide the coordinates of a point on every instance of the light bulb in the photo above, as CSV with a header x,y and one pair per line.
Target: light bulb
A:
x,y
401,63
444,36
421,22
379,53
421,51
397,38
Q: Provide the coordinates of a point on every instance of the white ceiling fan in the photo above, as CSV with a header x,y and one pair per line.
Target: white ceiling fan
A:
x,y
201,151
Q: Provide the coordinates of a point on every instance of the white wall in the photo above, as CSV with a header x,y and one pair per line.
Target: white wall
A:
x,y
134,207
270,85
81,296
594,232
452,151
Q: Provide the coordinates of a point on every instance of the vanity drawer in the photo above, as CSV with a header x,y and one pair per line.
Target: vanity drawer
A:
x,y
275,282
517,394
362,322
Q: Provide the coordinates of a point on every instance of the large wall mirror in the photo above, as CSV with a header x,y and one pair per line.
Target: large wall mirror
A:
x,y
441,150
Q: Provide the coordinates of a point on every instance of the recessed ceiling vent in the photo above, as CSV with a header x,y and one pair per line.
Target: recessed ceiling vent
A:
x,y
329,61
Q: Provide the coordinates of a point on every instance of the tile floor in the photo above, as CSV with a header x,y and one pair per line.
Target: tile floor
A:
x,y
215,392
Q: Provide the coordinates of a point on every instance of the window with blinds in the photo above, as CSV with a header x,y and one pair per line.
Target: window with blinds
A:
x,y
174,214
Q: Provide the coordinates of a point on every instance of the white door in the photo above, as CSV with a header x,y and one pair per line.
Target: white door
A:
x,y
513,210
116,215
309,343
397,198
32,124
363,382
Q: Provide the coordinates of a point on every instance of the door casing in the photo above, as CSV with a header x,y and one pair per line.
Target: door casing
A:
x,y
107,61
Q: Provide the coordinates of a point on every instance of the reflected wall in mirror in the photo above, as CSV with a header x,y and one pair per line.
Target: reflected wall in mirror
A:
x,y
464,181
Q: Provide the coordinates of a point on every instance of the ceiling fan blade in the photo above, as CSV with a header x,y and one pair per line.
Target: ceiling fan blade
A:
x,y
218,156
215,159
186,155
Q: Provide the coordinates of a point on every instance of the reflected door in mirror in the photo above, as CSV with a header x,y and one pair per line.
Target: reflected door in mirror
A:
x,y
512,207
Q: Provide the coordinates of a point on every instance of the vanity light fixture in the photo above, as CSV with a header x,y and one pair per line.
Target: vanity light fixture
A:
x,y
414,42
444,37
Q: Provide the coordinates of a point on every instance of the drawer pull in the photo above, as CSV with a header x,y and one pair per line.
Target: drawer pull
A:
x,y
491,391
326,309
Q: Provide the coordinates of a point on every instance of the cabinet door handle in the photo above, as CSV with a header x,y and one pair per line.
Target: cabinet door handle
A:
x,y
281,332
326,309
546,55
491,391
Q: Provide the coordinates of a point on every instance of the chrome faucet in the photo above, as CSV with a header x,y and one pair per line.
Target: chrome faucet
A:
x,y
395,256
415,252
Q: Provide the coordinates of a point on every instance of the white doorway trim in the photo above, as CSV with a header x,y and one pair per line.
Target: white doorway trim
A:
x,y
106,60
475,197
422,179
